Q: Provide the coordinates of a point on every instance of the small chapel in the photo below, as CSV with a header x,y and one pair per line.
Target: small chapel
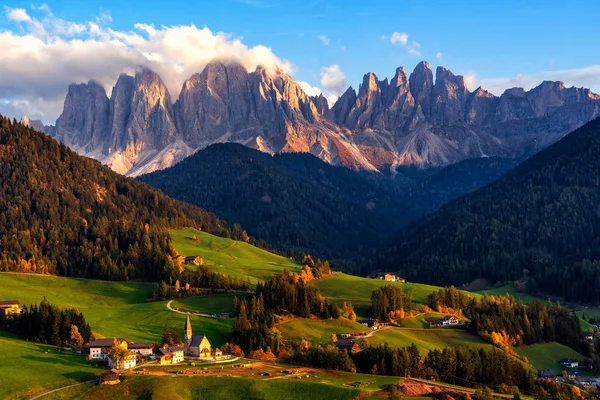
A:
x,y
197,345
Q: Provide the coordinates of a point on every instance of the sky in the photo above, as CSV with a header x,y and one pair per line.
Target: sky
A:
x,y
325,45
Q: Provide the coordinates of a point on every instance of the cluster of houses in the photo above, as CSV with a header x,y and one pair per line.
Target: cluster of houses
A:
x,y
196,346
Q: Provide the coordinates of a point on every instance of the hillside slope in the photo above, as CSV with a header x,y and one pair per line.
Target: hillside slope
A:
x,y
541,220
297,202
294,201
64,214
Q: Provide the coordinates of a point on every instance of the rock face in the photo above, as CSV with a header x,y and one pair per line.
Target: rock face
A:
x,y
406,120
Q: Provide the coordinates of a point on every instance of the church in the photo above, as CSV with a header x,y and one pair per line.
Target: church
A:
x,y
197,345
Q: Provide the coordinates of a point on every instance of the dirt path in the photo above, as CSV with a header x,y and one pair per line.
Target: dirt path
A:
x,y
62,388
192,312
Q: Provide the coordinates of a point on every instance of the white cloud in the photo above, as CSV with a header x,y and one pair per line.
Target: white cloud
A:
x,y
17,14
324,39
588,77
439,55
46,54
402,39
334,80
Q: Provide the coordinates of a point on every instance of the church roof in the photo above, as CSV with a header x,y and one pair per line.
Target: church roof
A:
x,y
196,340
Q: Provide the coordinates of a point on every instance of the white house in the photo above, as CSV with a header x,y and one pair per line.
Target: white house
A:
x,y
170,355
143,349
99,348
129,361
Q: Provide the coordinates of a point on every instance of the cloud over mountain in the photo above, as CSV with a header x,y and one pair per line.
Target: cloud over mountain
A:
x,y
48,53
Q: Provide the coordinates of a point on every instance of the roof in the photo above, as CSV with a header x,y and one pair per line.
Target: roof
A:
x,y
191,258
169,350
205,350
344,343
105,342
448,317
196,340
188,324
176,348
147,345
9,302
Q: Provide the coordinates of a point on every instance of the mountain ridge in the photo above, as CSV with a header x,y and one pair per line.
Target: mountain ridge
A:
x,y
539,223
406,120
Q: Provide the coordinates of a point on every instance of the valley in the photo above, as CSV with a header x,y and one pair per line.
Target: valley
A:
x,y
215,201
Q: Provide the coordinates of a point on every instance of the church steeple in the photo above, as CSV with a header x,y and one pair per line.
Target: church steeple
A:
x,y
187,334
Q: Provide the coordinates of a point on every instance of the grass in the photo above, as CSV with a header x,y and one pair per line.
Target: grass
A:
x,y
526,298
230,257
215,304
547,355
357,290
428,339
318,330
327,386
421,320
111,308
28,368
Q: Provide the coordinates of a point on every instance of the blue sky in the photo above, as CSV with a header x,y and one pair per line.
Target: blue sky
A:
x,y
495,44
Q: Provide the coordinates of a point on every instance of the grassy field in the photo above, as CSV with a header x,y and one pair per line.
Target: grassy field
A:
x,y
318,330
231,257
422,320
357,290
428,339
327,386
111,308
214,304
547,355
28,368
502,290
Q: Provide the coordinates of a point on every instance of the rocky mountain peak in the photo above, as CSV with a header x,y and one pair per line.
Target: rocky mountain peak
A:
x,y
421,84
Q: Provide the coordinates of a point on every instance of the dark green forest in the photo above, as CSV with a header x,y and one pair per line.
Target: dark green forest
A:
x,y
64,214
541,222
298,203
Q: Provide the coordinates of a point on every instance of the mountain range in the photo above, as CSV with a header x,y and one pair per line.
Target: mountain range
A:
x,y
406,120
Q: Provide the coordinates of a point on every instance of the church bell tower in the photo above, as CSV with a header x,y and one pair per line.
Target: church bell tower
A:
x,y
188,334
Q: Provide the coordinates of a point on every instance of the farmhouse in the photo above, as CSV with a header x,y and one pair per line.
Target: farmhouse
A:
x,y
345,344
370,323
193,260
450,320
128,362
9,307
110,377
170,355
196,345
569,363
99,348
143,349
390,277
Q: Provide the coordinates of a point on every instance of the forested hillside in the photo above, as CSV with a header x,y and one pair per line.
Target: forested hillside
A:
x,y
293,201
64,214
298,203
541,221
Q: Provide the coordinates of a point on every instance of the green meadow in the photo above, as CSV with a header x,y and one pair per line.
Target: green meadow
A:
x,y
318,330
357,290
547,355
111,308
326,386
29,368
213,304
428,339
510,289
231,257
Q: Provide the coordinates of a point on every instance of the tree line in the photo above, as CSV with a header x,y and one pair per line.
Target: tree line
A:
x,y
47,323
390,302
